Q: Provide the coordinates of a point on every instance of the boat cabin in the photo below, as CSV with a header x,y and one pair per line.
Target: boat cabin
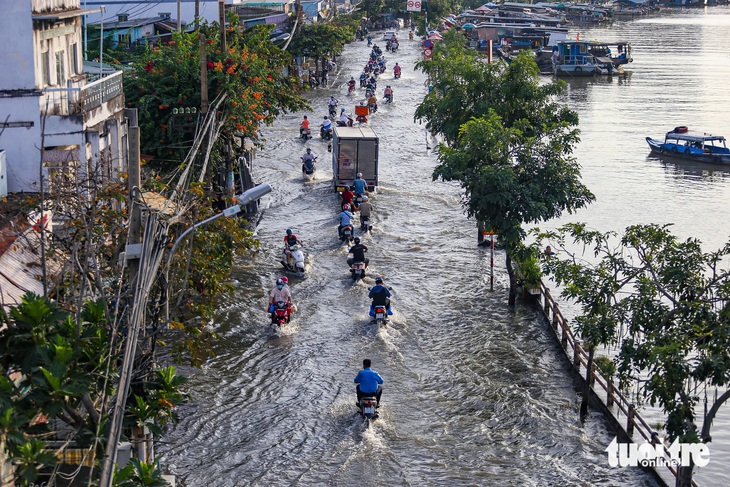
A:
x,y
694,143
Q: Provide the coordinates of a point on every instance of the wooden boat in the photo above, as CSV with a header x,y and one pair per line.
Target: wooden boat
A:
x,y
572,58
694,146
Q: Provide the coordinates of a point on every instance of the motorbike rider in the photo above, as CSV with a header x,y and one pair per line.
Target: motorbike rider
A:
x,y
373,103
344,120
362,118
366,209
345,219
396,70
326,126
347,198
308,159
304,126
370,40
363,79
368,383
333,104
351,84
410,35
380,296
358,253
280,292
289,241
388,94
359,185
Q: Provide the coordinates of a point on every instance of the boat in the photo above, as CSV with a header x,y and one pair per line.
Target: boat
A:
x,y
572,58
695,146
620,54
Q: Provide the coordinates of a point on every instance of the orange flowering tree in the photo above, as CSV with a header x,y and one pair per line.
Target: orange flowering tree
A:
x,y
165,87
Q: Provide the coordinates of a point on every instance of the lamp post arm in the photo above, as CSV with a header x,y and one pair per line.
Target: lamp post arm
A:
x,y
246,197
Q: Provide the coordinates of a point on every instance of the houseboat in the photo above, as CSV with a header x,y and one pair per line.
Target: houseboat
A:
x,y
573,58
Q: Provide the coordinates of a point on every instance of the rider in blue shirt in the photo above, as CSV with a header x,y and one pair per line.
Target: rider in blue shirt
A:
x,y
368,383
380,296
345,218
359,185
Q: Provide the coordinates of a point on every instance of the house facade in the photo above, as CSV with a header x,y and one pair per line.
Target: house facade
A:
x,y
55,125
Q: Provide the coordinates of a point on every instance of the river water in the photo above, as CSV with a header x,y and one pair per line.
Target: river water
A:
x,y
476,393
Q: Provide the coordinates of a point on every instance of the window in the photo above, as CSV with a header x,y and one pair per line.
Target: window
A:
x,y
46,68
60,68
124,40
75,58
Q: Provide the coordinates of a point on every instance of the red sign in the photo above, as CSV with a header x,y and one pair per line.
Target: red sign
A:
x,y
427,52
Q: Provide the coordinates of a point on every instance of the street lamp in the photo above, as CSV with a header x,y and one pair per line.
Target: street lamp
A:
x,y
246,197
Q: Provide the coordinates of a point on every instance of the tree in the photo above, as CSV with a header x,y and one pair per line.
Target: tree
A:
x,y
506,141
319,41
252,72
666,303
55,382
371,8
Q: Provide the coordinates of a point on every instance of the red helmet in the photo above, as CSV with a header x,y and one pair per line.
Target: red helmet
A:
x,y
285,280
346,207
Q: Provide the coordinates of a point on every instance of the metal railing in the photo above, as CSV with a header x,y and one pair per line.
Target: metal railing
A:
x,y
74,100
615,401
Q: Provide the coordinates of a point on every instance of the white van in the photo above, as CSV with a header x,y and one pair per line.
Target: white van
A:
x,y
388,35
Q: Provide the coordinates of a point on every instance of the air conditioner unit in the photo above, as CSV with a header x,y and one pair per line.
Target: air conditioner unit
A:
x,y
3,175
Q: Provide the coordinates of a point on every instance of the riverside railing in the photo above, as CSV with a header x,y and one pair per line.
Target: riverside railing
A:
x,y
616,402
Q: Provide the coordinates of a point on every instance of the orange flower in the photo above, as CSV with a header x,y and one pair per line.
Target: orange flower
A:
x,y
231,70
257,94
260,117
218,66
252,106
239,127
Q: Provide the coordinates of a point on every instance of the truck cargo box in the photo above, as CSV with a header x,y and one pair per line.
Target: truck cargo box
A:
x,y
354,150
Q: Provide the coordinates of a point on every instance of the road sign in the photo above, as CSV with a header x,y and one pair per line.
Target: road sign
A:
x,y
427,52
413,5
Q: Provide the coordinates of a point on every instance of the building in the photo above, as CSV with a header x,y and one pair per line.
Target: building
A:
x,y
56,123
128,33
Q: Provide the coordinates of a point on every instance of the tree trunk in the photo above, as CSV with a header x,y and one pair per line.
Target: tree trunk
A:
x,y
587,387
512,281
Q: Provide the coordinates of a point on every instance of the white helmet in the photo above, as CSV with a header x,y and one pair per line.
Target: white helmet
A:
x,y
359,175
364,198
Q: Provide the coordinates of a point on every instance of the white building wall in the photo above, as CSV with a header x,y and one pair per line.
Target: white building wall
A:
x,y
17,69
21,143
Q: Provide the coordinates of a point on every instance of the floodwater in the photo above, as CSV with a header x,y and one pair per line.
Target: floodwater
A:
x,y
476,393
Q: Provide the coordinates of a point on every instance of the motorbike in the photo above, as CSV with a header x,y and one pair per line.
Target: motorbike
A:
x,y
388,98
349,123
357,270
305,134
367,407
333,111
396,74
350,88
294,262
365,224
388,46
362,82
309,167
325,134
381,314
410,35
370,41
281,313
346,235
394,47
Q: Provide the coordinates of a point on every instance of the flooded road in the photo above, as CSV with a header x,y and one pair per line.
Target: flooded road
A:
x,y
475,393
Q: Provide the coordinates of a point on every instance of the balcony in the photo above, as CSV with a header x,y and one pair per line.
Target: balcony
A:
x,y
80,99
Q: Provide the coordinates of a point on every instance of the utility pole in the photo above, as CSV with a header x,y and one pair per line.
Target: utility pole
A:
x,y
203,75
222,20
197,13
179,21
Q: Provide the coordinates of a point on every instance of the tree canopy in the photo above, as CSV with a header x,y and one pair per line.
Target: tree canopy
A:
x,y
320,40
665,303
253,72
507,141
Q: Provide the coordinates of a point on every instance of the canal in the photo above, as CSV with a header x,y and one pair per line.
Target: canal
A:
x,y
475,391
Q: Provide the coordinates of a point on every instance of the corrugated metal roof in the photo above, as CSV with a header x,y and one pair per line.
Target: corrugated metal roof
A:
x,y
20,268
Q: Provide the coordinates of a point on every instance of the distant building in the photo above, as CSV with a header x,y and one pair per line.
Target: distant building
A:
x,y
56,122
128,33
